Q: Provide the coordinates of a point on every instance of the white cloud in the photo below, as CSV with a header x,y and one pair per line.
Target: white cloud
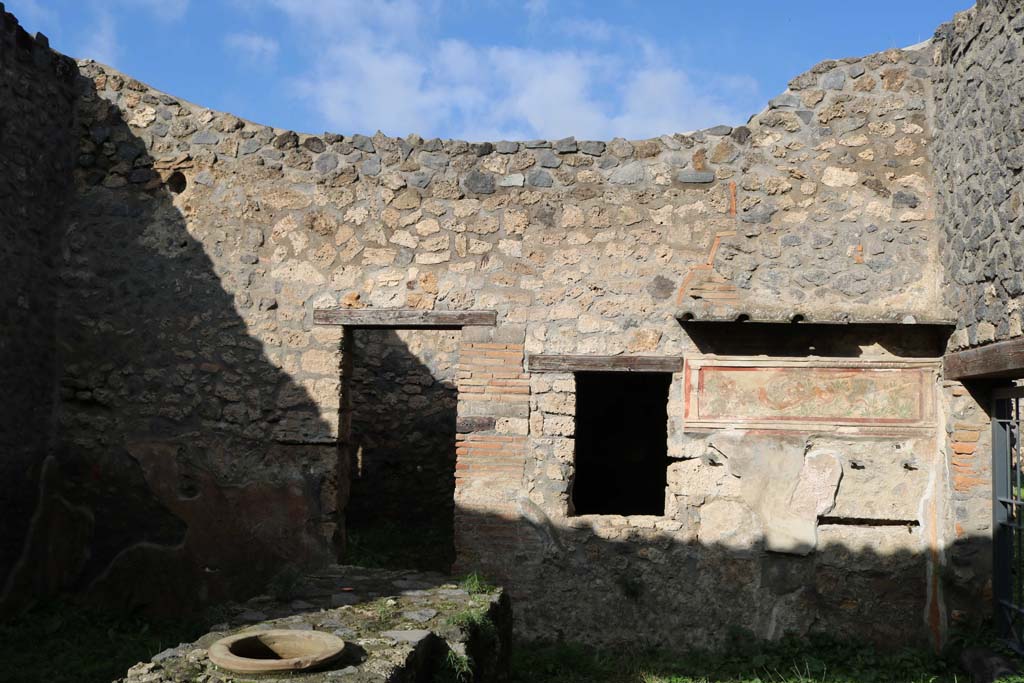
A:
x,y
359,90
740,84
356,20
553,94
595,30
98,38
374,66
660,98
164,10
32,15
536,8
101,43
252,46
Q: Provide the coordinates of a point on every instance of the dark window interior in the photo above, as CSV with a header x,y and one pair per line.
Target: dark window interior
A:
x,y
621,443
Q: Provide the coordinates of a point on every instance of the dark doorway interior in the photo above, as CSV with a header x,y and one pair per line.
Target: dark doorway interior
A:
x,y
401,403
621,443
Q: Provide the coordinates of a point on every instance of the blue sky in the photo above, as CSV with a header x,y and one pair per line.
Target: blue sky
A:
x,y
479,69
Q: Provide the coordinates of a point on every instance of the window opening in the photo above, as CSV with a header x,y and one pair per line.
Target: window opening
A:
x,y
621,443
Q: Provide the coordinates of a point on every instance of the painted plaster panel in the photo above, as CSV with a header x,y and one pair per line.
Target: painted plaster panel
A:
x,y
807,395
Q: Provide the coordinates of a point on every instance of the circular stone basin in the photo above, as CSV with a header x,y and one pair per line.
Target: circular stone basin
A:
x,y
275,650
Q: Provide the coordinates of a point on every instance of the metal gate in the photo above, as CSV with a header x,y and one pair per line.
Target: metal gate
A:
x,y
1008,513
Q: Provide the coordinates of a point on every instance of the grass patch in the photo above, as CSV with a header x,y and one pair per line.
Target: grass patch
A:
x,y
387,545
68,643
809,660
476,584
472,619
483,637
384,611
455,668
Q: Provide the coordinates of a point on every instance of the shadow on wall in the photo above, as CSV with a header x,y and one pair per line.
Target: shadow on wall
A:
x,y
36,103
800,340
401,410
188,467
651,588
871,584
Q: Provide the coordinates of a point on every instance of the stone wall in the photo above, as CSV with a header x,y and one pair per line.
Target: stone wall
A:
x,y
773,528
978,162
189,447
36,143
978,94
208,429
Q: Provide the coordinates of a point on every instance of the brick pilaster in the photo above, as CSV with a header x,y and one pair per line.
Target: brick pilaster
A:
x,y
491,451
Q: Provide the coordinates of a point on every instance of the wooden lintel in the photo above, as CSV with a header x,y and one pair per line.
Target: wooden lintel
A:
x,y
402,317
1002,360
560,363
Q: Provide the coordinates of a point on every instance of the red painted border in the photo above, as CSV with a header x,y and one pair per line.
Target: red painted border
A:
x,y
686,389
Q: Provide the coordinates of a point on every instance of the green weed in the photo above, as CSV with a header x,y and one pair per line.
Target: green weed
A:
x,y
385,611
476,584
455,668
393,546
63,642
744,660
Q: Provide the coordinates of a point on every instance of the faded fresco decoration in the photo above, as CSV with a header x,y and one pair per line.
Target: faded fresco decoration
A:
x,y
791,396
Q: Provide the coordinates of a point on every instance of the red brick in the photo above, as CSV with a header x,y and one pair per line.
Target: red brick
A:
x,y
485,446
484,361
492,353
504,389
966,483
965,435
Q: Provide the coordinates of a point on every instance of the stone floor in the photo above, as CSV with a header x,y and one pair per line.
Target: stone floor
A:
x,y
397,626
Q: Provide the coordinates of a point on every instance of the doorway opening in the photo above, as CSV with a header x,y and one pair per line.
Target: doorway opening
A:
x,y
398,421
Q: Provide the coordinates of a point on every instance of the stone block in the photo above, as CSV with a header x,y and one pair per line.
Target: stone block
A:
x,y
699,177
728,524
465,424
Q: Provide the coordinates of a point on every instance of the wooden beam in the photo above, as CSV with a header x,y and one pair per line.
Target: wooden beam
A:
x,y
1002,360
401,317
559,363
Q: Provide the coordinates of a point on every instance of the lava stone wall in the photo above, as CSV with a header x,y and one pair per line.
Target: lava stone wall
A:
x,y
36,143
978,160
978,155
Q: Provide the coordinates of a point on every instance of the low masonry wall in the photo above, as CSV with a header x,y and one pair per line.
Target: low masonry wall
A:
x,y
397,626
